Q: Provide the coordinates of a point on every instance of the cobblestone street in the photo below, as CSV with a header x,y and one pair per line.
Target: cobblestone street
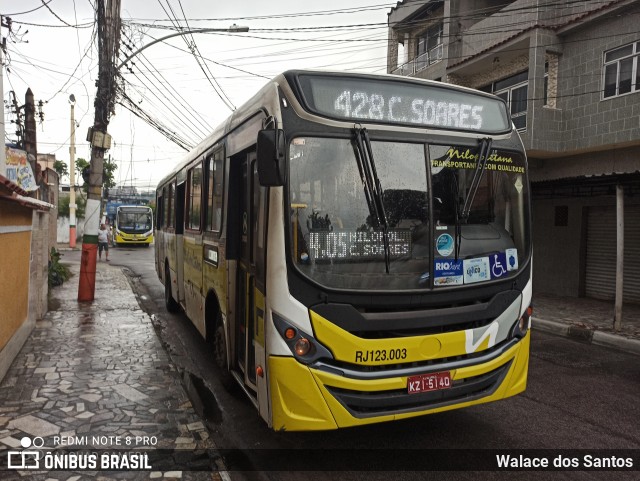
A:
x,y
97,372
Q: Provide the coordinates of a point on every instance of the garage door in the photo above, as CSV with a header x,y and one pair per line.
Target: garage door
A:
x,y
600,282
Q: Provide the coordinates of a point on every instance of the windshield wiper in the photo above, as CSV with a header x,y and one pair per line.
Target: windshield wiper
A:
x,y
372,187
463,216
481,165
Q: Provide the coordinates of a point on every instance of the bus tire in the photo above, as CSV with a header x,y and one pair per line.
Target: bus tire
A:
x,y
220,355
169,302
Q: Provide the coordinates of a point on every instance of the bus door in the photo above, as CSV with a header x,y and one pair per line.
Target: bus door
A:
x,y
180,200
250,303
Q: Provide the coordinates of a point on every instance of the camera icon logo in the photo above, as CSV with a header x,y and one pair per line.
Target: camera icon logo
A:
x,y
26,459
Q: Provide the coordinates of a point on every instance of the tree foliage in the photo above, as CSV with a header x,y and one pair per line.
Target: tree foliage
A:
x,y
108,171
61,168
63,206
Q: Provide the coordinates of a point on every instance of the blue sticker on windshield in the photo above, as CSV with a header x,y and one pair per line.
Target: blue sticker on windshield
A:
x,y
498,264
447,272
512,259
444,245
476,270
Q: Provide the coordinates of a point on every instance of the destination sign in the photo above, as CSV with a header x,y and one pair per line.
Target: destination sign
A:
x,y
357,245
399,102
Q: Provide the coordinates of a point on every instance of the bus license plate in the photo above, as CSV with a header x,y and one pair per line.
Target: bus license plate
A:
x,y
429,382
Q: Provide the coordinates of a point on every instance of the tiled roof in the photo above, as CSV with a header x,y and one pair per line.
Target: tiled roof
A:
x,y
12,186
12,192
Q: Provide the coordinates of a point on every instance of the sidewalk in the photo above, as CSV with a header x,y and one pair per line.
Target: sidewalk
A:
x,y
587,320
95,376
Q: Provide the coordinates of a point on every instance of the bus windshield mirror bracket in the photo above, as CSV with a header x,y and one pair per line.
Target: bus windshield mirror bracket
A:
x,y
372,187
271,155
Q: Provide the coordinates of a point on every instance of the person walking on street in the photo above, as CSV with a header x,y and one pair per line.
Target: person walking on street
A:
x,y
104,237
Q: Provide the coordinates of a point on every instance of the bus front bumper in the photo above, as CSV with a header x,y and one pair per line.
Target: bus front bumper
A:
x,y
309,398
133,239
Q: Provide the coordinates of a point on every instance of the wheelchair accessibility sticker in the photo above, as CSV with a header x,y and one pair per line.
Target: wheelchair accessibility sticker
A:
x,y
499,266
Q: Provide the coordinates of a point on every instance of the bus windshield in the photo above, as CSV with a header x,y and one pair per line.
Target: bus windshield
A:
x,y
134,221
340,241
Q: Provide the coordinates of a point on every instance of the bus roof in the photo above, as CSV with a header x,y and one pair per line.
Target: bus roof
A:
x,y
134,208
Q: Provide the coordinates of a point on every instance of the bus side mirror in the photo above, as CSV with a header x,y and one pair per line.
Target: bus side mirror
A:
x,y
271,165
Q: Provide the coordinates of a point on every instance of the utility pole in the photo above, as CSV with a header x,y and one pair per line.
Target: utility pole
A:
x,y
617,310
72,176
30,139
4,22
108,15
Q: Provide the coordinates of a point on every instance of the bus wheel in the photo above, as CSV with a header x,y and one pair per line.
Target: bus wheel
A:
x,y
220,355
169,302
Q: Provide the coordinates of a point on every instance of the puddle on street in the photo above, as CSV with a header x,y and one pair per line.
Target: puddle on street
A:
x,y
53,304
202,398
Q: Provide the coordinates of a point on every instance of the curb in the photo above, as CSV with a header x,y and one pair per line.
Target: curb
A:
x,y
588,336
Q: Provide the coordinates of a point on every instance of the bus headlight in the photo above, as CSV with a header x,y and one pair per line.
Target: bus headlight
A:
x,y
304,347
521,326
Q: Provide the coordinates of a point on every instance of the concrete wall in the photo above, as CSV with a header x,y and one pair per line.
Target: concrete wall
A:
x,y
556,250
39,268
51,196
63,230
500,26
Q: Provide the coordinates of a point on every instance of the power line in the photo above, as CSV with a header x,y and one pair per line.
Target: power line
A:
x,y
193,48
28,11
203,127
358,10
131,106
212,61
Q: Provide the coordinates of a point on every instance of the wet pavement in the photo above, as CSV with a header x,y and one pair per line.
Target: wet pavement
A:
x,y
588,320
94,376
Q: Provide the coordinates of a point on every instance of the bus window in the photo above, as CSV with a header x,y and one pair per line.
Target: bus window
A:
x,y
215,182
159,212
194,196
167,196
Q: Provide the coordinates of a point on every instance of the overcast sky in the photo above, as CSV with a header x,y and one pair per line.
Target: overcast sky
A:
x,y
52,52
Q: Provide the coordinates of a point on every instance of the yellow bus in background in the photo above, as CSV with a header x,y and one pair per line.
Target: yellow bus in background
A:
x,y
133,225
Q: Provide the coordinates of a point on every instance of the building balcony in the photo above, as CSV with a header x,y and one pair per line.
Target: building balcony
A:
x,y
420,62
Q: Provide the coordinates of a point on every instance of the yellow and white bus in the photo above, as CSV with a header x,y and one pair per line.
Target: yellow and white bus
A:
x,y
356,249
133,225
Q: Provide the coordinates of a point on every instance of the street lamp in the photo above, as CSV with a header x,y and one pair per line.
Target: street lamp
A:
x,y
72,177
232,29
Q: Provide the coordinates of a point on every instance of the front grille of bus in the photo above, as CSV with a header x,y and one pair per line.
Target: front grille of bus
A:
x,y
394,323
362,404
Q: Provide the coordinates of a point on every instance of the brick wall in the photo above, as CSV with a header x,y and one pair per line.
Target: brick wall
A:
x,y
590,121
